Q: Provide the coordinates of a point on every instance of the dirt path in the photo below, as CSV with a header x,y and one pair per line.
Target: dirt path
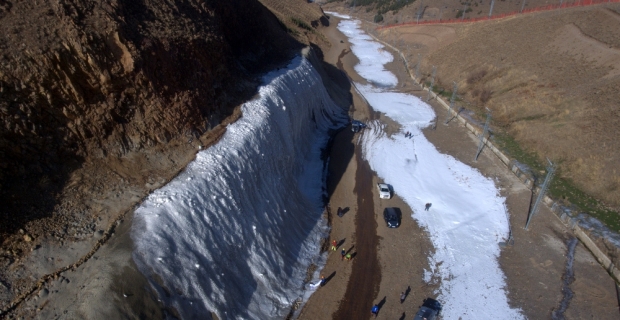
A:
x,y
366,273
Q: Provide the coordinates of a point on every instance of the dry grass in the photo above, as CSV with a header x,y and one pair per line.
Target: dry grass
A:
x,y
475,77
485,96
550,80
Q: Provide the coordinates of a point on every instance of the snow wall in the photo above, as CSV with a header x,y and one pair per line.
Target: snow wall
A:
x,y
236,231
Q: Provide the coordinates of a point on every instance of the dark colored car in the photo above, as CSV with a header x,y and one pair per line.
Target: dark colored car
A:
x,y
429,310
356,126
392,217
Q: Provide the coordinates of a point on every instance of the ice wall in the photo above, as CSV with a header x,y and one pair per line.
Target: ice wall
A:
x,y
236,231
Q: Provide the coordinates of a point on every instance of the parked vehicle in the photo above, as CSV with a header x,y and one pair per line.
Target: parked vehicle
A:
x,y
356,126
384,191
429,310
392,217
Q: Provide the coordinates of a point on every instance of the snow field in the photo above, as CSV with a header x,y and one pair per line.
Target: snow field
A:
x,y
370,54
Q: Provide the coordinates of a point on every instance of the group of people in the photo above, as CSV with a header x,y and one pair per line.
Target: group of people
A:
x,y
343,253
408,135
343,256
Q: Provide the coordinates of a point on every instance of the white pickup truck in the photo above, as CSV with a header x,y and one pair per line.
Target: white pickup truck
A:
x,y
384,191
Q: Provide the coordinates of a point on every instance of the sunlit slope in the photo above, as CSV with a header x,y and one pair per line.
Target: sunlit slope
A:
x,y
550,80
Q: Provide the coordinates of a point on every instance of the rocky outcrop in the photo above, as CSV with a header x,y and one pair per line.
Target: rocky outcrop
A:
x,y
90,81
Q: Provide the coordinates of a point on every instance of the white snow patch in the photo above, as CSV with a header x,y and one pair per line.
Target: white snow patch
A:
x,y
339,15
371,55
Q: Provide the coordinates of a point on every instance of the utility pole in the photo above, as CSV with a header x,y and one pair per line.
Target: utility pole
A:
x,y
419,13
430,89
417,68
484,134
491,10
522,6
541,193
464,9
408,52
443,6
454,89
510,241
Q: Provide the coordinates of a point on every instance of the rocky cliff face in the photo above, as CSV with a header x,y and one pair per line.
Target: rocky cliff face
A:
x,y
101,103
91,82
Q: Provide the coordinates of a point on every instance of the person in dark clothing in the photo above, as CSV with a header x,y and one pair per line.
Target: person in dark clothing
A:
x,y
342,254
340,213
428,206
375,310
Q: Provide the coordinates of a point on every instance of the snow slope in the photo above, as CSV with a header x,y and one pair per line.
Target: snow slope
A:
x,y
235,233
467,218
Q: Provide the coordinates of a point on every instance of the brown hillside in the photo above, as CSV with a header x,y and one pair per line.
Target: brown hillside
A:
x,y
551,80
553,86
83,81
100,103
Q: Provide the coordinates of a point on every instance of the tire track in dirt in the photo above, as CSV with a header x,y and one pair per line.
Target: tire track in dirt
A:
x,y
365,276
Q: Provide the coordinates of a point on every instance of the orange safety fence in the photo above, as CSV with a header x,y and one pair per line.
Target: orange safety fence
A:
x,y
580,3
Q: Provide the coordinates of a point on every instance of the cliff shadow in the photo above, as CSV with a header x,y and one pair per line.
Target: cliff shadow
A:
x,y
33,190
341,151
36,165
335,80
340,148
